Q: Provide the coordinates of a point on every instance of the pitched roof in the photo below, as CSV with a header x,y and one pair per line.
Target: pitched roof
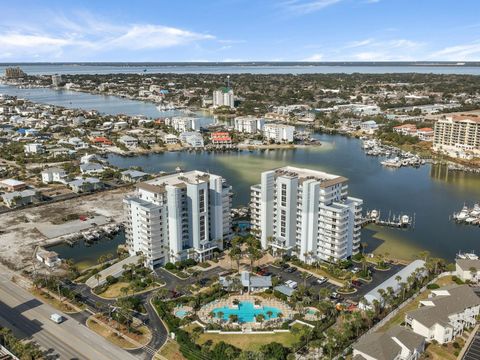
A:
x,y
382,346
445,302
467,264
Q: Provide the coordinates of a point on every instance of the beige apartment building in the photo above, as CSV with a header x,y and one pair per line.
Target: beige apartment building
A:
x,y
458,136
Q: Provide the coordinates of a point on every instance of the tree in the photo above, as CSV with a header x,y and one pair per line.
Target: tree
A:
x,y
97,277
275,351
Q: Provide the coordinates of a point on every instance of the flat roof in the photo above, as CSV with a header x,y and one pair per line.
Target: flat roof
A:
x,y
12,182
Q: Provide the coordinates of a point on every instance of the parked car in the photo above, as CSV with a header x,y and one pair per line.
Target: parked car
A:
x,y
291,284
291,270
357,283
285,266
56,318
321,280
355,270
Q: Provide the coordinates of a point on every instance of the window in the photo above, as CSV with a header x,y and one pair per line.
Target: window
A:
x,y
202,200
284,195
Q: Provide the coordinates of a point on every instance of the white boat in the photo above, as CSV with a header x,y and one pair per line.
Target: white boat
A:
x,y
405,220
374,214
462,215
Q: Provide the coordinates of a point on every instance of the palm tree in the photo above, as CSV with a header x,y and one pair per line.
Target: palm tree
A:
x,y
124,290
304,275
269,314
220,314
97,277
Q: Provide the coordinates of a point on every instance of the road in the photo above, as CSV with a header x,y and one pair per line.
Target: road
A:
x,y
29,318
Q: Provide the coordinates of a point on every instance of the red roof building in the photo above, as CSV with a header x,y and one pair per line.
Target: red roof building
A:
x,y
102,141
221,139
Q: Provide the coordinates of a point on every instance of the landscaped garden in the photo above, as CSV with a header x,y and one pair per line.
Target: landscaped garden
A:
x,y
135,279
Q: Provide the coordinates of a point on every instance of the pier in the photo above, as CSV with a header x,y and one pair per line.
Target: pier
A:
x,y
395,221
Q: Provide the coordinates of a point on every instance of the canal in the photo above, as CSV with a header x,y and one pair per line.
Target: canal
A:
x,y
431,192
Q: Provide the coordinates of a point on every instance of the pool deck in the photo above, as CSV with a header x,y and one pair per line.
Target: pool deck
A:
x,y
204,312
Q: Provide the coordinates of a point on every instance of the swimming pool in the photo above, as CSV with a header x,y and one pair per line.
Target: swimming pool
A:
x,y
246,312
181,313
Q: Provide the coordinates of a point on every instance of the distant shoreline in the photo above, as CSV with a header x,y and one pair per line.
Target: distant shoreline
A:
x,y
257,63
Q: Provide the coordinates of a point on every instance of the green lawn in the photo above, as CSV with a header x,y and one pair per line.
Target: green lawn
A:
x,y
250,341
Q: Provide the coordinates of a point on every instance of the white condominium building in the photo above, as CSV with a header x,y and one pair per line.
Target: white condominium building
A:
x,y
279,132
458,135
178,216
307,213
249,124
223,97
183,123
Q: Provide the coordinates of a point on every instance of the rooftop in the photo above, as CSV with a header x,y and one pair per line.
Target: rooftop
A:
x,y
443,303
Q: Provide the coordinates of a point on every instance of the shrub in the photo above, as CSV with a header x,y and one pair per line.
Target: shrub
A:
x,y
170,266
456,345
433,286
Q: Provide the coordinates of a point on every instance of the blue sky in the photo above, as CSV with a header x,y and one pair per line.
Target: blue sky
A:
x,y
240,30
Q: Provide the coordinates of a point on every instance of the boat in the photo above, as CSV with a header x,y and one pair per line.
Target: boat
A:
x,y
374,214
462,215
405,220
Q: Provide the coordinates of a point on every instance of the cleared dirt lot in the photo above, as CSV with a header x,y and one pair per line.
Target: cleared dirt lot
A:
x,y
19,230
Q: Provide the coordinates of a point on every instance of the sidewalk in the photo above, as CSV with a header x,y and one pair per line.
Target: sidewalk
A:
x,y
468,342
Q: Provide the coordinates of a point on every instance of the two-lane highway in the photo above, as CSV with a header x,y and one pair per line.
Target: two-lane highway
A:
x,y
30,318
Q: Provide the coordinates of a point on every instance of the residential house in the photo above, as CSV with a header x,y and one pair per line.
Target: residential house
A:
x,y
81,185
91,168
34,148
12,185
19,198
170,139
221,139
53,175
468,268
129,141
369,126
133,176
192,138
397,343
445,313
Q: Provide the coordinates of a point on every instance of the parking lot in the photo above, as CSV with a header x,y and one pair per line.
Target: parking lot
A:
x,y
473,351
377,278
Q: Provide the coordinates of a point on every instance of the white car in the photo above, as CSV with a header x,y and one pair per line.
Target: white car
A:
x,y
56,318
321,280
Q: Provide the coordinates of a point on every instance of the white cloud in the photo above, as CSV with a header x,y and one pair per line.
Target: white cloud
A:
x,y
464,52
314,57
53,38
153,37
307,6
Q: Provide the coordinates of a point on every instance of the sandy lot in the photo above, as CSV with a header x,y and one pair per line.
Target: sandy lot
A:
x,y
21,231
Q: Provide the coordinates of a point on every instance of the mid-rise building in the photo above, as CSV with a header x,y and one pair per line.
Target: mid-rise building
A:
x,y
279,132
57,80
178,216
249,124
223,97
307,213
458,136
183,123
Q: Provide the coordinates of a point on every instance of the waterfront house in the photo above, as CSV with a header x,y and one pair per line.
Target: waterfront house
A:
x,y
445,313
221,139
19,198
369,126
128,141
192,138
468,269
398,343
133,176
49,258
406,129
91,168
53,175
170,139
